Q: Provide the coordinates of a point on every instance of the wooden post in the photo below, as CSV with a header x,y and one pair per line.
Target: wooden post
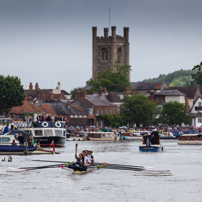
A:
x,y
26,144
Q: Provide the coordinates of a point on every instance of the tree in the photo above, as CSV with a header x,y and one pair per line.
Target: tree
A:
x,y
113,80
197,78
73,92
197,67
11,93
138,110
113,120
175,113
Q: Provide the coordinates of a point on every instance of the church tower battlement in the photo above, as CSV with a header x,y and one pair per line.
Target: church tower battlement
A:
x,y
106,50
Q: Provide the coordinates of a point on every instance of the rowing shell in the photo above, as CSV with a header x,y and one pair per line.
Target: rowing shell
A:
x,y
83,172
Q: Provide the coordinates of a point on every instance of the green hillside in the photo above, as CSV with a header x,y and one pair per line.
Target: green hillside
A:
x,y
175,79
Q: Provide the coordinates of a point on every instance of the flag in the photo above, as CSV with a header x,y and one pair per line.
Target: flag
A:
x,y
53,145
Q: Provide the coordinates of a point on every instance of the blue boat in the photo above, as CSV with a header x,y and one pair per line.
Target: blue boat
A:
x,y
148,147
9,149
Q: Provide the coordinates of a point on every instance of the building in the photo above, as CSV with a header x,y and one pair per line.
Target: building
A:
x,y
196,113
95,105
108,49
46,95
144,88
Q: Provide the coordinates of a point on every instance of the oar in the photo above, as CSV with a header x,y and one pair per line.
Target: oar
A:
x,y
118,165
76,150
95,164
42,167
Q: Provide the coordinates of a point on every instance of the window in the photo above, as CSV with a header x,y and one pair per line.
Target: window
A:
x,y
200,120
101,111
58,132
98,111
110,111
5,139
104,54
199,104
106,111
48,133
119,54
38,133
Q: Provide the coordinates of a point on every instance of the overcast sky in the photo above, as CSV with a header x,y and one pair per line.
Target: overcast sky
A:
x,y
46,41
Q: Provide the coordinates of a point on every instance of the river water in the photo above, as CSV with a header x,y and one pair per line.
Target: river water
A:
x,y
177,175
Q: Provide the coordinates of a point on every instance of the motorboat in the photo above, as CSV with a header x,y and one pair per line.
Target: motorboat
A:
x,y
45,132
76,136
167,135
148,147
137,135
190,139
103,136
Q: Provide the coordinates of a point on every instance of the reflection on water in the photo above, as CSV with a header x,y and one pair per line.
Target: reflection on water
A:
x,y
176,176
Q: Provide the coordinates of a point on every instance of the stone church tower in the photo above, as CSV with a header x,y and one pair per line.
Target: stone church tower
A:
x,y
107,49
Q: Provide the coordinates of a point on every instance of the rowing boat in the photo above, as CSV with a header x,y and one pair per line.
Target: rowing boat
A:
x,y
83,172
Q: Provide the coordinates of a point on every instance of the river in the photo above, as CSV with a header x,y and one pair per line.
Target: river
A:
x,y
177,175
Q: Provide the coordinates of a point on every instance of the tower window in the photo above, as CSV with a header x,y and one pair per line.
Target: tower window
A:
x,y
119,54
104,54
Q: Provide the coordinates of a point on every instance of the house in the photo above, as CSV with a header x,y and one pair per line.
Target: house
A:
x,y
144,88
168,95
192,93
95,104
116,97
28,107
73,116
196,112
46,95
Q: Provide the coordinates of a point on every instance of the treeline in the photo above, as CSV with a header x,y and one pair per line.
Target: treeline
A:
x,y
175,79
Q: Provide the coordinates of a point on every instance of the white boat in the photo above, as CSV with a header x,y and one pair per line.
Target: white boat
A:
x,y
102,136
76,136
3,123
45,132
190,139
8,138
137,135
167,135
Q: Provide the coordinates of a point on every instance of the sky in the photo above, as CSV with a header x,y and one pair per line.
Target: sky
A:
x,y
50,41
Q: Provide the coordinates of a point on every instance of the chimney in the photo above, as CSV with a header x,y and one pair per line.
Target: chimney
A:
x,y
100,92
68,103
187,104
30,86
81,95
105,90
37,87
127,90
151,97
159,86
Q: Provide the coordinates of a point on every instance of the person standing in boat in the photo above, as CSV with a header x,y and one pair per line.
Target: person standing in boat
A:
x,y
21,139
155,137
6,129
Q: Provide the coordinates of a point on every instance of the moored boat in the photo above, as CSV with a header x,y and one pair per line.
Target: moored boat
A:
x,y
102,136
167,135
76,136
190,139
10,150
45,132
133,135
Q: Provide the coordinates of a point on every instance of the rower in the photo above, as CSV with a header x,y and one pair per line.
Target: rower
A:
x,y
79,159
90,156
87,160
